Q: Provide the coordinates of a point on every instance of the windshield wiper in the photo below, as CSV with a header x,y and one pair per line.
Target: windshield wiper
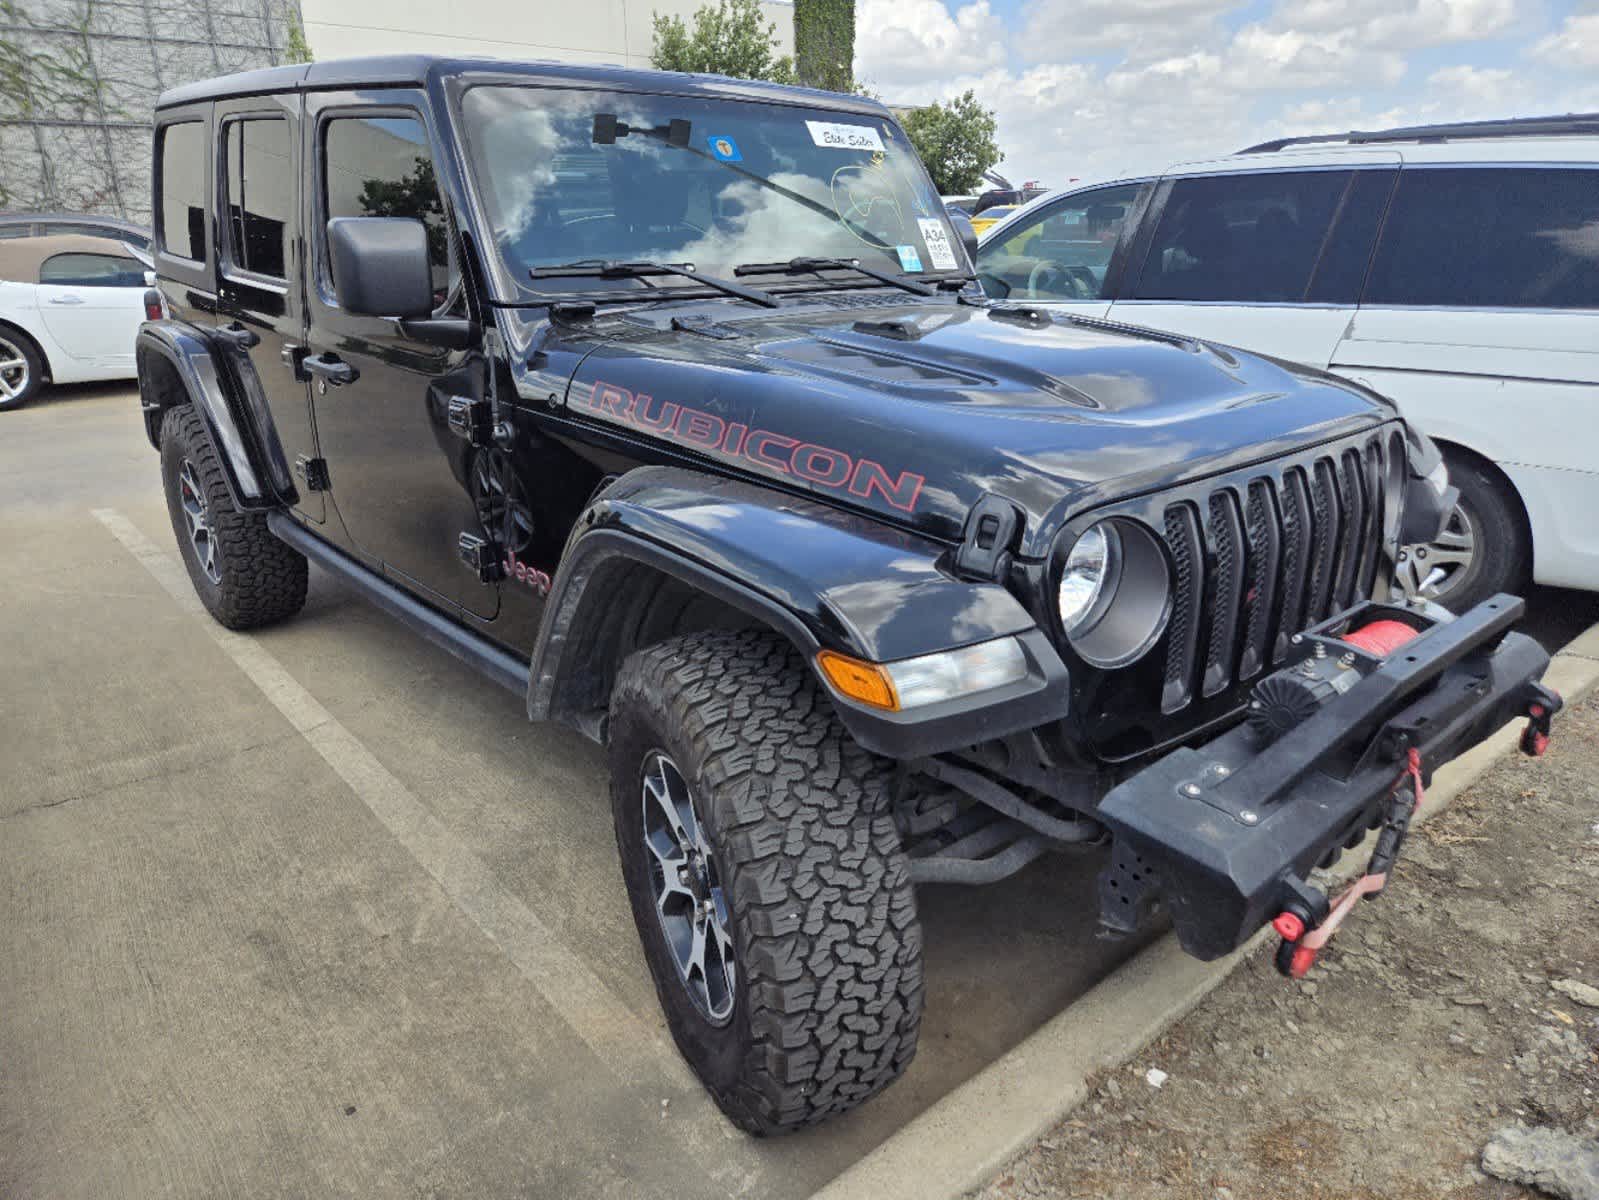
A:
x,y
643,270
804,265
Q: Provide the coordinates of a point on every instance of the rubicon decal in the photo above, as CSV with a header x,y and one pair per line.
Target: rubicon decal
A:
x,y
774,452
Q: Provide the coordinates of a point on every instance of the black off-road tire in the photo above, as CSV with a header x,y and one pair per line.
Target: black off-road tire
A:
x,y
828,998
261,580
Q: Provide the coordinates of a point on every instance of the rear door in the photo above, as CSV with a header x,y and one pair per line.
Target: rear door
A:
x,y
1068,254
260,309
92,303
1271,261
400,478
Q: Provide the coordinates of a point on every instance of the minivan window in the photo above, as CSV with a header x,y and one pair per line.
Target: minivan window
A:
x,y
380,166
1063,252
180,158
1521,237
260,194
92,270
1241,238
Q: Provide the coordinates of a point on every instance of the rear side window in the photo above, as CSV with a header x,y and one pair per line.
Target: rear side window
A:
x,y
260,194
92,270
1512,237
382,167
1241,238
180,158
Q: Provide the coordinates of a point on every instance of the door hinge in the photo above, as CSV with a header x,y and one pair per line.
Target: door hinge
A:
x,y
313,472
483,558
991,529
470,420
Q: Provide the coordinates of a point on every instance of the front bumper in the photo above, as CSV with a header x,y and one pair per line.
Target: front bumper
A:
x,y
1224,835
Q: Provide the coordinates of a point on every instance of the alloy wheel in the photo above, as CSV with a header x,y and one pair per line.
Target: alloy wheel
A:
x,y
198,515
13,370
689,899
1452,553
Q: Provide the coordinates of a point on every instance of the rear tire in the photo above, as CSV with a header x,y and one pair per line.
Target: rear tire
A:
x,y
1485,547
801,865
243,575
21,370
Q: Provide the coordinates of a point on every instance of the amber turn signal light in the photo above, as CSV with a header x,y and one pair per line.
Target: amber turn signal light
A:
x,y
863,681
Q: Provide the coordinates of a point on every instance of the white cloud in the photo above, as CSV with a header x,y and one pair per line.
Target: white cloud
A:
x,y
1575,44
1400,24
1139,29
901,41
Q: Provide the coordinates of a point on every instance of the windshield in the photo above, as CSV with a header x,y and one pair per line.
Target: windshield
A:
x,y
572,176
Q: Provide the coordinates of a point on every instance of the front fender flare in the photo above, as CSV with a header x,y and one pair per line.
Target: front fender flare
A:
x,y
242,433
821,577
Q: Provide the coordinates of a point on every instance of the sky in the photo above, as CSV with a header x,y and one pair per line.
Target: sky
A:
x,y
1099,89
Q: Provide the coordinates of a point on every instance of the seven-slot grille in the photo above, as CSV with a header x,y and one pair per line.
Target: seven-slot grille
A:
x,y
1260,557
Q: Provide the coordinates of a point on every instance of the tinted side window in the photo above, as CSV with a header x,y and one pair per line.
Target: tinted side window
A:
x,y
1242,238
260,194
1064,252
92,270
180,156
1493,238
1346,257
381,167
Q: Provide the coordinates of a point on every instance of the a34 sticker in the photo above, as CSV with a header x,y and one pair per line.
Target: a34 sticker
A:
x,y
832,136
939,252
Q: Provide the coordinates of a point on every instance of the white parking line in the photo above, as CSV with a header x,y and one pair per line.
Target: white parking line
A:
x,y
613,1031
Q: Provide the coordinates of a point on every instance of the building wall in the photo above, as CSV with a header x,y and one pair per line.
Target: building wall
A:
x,y
79,78
608,31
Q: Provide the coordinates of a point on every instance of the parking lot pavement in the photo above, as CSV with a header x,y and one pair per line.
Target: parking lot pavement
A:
x,y
316,911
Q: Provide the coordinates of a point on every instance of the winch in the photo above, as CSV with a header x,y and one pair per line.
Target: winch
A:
x,y
1286,699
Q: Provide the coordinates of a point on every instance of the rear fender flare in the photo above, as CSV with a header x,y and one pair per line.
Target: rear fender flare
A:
x,y
820,577
240,430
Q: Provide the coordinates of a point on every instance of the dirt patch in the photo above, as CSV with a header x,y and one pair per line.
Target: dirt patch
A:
x,y
1431,1021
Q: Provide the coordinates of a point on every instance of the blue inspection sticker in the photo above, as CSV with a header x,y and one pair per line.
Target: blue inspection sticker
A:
x,y
724,149
909,260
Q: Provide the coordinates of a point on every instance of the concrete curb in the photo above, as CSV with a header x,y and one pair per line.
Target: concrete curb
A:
x,y
968,1137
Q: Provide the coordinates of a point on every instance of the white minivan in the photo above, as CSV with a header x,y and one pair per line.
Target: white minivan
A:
x,y
1454,268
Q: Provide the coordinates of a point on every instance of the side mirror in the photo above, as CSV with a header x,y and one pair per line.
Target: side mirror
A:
x,y
962,225
380,266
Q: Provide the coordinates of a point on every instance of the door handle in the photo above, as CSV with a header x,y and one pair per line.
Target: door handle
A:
x,y
65,300
330,369
238,336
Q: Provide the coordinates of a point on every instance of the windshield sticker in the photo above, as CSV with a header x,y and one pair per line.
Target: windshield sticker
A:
x,y
939,252
832,136
909,260
724,149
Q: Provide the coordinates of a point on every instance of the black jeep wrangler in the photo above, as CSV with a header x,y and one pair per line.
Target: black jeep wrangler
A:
x,y
670,403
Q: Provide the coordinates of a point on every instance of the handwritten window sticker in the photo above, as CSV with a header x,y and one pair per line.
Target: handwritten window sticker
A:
x,y
724,149
909,260
939,252
830,135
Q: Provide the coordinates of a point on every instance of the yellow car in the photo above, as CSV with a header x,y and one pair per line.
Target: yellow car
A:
x,y
993,216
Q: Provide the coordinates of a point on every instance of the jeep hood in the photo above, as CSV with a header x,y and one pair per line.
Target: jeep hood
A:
x,y
912,411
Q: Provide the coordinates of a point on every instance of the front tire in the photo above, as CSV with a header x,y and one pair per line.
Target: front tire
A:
x,y
807,995
243,575
1484,548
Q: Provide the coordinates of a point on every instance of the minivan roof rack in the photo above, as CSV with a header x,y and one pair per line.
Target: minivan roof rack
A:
x,y
1569,125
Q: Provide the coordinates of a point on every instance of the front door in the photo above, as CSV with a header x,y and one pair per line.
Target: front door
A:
x,y
400,479
1066,255
260,313
92,303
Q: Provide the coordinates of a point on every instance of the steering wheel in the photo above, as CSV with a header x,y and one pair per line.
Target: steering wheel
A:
x,y
1049,278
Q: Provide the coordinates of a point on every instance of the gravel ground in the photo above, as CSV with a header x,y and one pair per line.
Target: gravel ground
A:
x,y
1449,1008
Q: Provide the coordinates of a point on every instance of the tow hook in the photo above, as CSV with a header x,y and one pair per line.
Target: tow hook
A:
x,y
1302,936
1535,737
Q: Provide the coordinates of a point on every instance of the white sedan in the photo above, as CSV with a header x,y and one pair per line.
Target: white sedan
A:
x,y
70,308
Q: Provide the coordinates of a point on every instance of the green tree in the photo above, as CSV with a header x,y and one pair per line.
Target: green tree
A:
x,y
728,38
824,44
297,49
956,141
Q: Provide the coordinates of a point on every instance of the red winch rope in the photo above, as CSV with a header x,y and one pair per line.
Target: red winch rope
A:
x,y
1380,638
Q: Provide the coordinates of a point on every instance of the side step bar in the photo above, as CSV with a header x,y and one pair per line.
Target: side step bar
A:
x,y
505,668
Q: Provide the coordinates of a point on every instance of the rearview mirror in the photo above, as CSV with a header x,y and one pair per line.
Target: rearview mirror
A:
x,y
380,266
965,234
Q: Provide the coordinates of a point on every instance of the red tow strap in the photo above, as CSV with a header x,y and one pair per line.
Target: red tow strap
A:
x,y
1309,945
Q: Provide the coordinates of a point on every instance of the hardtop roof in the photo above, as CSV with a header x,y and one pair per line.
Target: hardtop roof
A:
x,y
418,69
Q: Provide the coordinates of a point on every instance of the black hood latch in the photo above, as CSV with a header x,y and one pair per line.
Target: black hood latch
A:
x,y
991,531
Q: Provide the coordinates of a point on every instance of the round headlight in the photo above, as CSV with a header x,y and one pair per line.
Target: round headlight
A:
x,y
1114,593
1093,560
